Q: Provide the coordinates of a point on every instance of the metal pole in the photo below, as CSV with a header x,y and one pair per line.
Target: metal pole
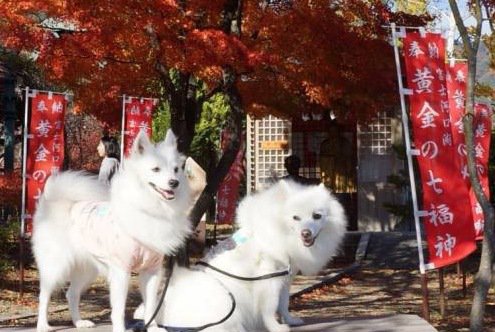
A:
x,y
23,199
122,131
21,267
24,163
441,283
450,36
142,98
52,92
407,141
425,305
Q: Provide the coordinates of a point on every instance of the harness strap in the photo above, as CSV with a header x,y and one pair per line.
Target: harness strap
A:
x,y
262,277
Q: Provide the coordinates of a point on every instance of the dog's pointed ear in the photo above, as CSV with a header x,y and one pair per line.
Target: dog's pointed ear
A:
x,y
141,143
170,139
283,189
322,186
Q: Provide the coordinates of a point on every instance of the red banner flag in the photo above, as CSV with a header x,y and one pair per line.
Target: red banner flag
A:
x,y
228,191
482,133
456,87
137,115
45,148
446,208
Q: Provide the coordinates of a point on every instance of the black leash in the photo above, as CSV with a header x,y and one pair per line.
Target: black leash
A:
x,y
144,328
162,297
202,327
262,277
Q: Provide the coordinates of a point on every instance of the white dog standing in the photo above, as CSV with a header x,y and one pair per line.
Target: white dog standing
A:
x,y
80,231
285,225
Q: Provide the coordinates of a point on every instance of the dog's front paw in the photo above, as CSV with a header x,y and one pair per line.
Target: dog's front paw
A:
x,y
276,327
84,324
155,329
44,328
119,328
293,321
139,312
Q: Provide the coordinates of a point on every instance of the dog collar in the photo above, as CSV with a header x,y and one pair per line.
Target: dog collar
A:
x,y
239,237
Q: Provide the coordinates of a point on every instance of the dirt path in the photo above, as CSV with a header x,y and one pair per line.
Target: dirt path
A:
x,y
369,292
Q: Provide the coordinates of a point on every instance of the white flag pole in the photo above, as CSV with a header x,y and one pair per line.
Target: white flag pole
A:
x,y
22,234
24,164
409,152
122,135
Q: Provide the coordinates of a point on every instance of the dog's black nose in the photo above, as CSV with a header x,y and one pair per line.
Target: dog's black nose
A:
x,y
306,233
173,183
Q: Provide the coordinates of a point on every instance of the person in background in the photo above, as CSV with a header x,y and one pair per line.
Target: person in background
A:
x,y
292,164
109,149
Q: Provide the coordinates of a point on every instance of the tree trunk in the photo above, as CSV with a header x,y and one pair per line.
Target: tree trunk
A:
x,y
8,103
183,109
231,23
483,278
234,126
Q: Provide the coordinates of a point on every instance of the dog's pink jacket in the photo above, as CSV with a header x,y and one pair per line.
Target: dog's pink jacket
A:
x,y
105,239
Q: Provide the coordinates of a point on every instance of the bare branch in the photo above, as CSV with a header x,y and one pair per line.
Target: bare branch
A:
x,y
159,65
460,25
478,15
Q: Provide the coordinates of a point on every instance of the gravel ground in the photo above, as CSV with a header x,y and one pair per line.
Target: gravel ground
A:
x,y
367,293
387,283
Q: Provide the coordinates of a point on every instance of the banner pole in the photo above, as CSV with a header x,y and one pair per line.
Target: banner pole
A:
x,y
24,163
23,199
407,141
122,131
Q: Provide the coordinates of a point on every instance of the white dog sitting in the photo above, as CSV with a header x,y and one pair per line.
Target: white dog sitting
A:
x,y
285,225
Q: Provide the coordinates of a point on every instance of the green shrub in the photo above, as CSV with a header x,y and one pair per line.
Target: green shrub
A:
x,y
9,245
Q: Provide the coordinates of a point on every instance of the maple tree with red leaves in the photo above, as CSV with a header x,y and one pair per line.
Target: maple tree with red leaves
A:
x,y
11,185
271,56
287,55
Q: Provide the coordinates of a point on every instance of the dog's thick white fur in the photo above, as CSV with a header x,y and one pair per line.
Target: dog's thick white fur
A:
x,y
147,206
285,225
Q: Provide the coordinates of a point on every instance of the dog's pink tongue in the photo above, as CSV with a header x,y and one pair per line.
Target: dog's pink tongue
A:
x,y
308,242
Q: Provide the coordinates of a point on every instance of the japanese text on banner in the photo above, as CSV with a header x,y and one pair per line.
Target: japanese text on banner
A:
x,y
447,211
45,150
456,88
228,191
138,117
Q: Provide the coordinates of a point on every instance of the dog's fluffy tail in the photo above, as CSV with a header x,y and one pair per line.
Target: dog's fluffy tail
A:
x,y
53,247
63,190
75,186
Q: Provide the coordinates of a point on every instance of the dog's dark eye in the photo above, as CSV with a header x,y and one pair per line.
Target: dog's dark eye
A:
x,y
156,169
316,216
176,169
296,218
